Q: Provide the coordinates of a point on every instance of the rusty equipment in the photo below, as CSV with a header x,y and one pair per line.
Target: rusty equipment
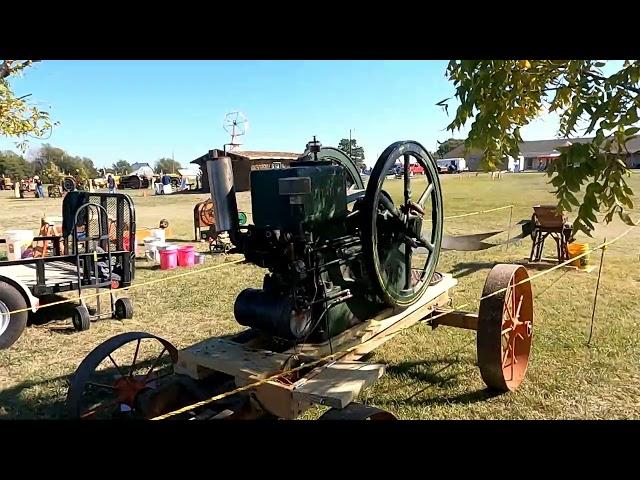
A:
x,y
54,191
204,227
202,219
547,222
361,260
6,183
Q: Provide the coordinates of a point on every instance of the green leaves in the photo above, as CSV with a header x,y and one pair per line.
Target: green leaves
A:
x,y
17,117
500,97
627,219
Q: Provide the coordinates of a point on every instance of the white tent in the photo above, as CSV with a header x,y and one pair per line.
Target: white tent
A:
x,y
143,171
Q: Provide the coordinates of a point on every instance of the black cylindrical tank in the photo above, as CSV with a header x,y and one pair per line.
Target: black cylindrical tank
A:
x,y
271,314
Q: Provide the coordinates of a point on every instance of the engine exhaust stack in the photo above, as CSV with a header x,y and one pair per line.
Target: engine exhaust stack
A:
x,y
223,194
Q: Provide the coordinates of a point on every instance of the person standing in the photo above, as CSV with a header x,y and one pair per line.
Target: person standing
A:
x,y
111,184
39,186
166,182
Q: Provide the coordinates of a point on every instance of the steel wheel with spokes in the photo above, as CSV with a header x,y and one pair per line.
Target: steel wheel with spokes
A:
x,y
109,380
402,223
505,327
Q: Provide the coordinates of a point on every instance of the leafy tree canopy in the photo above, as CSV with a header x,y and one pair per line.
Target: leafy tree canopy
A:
x,y
353,150
19,118
499,97
14,166
446,146
167,165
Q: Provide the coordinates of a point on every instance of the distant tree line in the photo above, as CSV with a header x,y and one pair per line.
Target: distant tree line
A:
x,y
47,160
14,166
167,165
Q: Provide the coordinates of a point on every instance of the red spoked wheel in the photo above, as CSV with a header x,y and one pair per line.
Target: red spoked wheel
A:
x,y
206,214
505,327
109,380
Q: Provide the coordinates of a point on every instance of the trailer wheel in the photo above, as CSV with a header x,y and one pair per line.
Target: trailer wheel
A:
x,y
69,184
123,308
11,324
505,327
81,318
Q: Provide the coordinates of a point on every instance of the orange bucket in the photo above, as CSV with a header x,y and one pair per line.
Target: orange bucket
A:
x,y
576,249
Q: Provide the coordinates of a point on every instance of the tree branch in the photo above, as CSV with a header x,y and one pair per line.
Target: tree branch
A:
x,y
7,68
601,77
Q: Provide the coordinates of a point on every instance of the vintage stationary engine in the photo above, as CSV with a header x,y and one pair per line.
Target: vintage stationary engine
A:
x,y
337,253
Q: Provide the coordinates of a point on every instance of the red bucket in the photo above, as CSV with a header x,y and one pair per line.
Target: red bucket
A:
x,y
168,258
186,256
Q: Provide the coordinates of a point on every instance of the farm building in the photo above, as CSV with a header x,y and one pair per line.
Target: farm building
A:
x,y
142,170
537,153
244,162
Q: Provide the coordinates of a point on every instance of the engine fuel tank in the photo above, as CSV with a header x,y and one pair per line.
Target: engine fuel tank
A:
x,y
282,199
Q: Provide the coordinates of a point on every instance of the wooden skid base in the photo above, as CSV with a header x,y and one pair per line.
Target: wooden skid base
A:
x,y
335,383
466,320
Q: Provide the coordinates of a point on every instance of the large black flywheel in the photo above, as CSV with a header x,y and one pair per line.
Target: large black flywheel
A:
x,y
338,157
402,223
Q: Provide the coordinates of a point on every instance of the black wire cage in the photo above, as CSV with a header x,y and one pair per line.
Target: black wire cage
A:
x,y
108,224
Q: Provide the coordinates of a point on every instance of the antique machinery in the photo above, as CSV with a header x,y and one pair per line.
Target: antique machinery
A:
x,y
349,267
336,253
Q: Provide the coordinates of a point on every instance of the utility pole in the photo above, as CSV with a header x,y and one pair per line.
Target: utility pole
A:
x,y
349,142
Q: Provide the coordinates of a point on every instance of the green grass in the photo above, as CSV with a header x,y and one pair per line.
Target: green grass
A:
x,y
430,374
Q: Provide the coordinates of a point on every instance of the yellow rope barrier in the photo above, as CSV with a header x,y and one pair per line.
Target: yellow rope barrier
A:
x,y
194,272
479,212
339,355
137,285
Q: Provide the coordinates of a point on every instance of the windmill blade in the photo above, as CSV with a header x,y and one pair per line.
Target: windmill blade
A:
x,y
235,123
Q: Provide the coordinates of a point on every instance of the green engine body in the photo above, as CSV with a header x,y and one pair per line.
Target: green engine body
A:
x,y
317,286
311,195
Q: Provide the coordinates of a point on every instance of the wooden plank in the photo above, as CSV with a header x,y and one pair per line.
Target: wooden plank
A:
x,y
230,358
278,400
387,332
466,320
388,321
337,384
54,273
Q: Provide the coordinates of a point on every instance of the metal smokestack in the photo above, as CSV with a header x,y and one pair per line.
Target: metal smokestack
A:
x,y
223,194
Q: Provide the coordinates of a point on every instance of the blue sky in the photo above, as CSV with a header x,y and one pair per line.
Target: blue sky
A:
x,y
144,110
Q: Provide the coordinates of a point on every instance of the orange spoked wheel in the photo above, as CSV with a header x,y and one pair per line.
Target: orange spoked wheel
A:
x,y
206,214
505,327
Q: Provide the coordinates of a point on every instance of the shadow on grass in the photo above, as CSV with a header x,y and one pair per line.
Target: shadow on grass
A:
x,y
64,311
52,317
142,265
424,371
16,404
463,398
463,269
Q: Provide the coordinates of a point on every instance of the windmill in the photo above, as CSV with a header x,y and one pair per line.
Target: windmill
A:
x,y
236,125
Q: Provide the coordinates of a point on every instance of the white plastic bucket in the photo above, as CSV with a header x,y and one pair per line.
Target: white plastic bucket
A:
x,y
166,189
158,234
17,242
151,249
